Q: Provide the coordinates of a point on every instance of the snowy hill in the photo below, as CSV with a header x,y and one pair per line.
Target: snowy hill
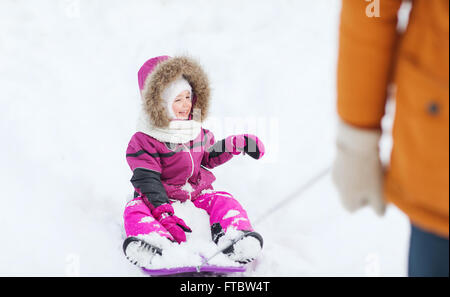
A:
x,y
69,102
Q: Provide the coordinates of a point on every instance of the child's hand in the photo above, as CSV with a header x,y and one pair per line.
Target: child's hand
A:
x,y
176,226
247,143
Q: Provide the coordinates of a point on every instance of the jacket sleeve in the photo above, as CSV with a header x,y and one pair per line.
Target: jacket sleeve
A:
x,y
144,161
365,60
215,153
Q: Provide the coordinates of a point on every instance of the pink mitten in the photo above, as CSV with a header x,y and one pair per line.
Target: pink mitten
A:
x,y
164,214
247,143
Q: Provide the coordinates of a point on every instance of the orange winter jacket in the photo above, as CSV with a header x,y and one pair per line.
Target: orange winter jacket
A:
x,y
372,55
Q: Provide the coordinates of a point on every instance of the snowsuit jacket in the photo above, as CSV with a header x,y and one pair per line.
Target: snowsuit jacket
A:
x,y
163,170
372,55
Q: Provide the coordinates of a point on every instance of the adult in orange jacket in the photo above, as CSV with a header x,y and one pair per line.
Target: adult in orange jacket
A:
x,y
375,58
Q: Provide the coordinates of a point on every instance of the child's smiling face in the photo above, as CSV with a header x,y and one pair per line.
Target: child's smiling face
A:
x,y
182,104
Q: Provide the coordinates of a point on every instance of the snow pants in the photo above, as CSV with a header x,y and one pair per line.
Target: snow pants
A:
x,y
224,212
428,254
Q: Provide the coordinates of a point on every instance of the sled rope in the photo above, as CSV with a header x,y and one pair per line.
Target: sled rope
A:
x,y
295,194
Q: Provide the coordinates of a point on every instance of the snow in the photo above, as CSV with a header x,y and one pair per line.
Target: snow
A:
x,y
148,219
187,188
70,102
231,213
245,248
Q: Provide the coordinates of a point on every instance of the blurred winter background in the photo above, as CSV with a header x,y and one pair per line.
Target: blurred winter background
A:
x,y
69,100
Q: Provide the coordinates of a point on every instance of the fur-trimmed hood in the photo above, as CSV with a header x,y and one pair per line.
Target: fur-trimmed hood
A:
x,y
157,73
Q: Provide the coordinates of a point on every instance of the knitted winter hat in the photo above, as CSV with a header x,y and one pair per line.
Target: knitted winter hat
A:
x,y
172,91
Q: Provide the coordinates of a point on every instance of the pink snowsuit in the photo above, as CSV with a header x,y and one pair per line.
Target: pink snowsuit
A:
x,y
165,172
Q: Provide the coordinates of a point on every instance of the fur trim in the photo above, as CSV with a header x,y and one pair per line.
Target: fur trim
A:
x,y
165,73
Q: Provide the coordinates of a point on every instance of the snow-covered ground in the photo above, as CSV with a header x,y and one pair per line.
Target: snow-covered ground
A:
x,y
69,101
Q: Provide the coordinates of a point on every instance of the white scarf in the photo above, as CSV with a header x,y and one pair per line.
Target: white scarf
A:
x,y
179,131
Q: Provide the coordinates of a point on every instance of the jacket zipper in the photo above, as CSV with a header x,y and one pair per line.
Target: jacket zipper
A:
x,y
192,171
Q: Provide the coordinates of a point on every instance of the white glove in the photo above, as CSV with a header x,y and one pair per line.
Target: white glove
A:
x,y
357,170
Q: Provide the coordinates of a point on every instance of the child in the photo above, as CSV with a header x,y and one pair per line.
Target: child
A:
x,y
169,155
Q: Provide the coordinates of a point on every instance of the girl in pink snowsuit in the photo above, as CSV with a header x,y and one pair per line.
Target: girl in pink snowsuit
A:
x,y
170,156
